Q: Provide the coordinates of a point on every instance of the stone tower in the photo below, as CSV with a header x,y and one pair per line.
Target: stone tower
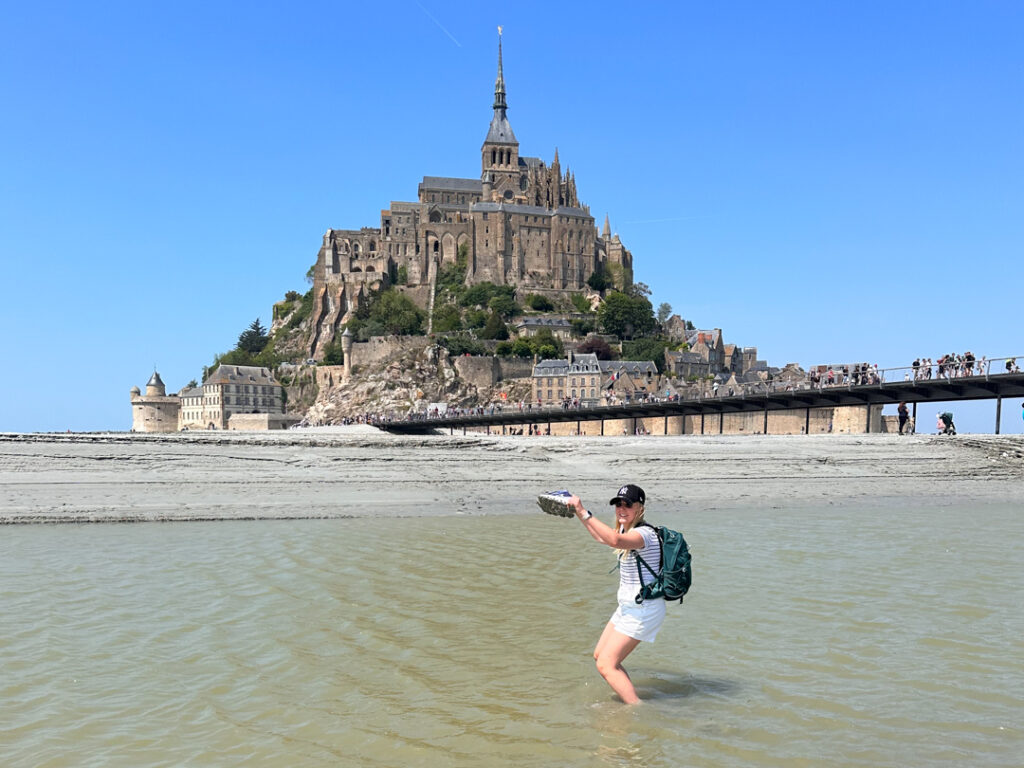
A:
x,y
154,411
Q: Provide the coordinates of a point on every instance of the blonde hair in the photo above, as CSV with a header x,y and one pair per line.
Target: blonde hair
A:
x,y
619,553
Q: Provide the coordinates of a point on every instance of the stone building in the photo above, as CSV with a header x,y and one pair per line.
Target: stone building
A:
x,y
229,390
155,411
590,380
520,223
232,397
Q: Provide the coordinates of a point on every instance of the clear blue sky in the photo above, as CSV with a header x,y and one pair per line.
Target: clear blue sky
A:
x,y
825,181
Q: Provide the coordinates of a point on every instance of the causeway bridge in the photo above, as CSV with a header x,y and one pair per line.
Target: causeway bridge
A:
x,y
893,385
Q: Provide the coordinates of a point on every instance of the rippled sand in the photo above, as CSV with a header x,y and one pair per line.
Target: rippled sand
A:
x,y
351,472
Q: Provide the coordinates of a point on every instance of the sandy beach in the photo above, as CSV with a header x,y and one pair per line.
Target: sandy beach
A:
x,y
358,471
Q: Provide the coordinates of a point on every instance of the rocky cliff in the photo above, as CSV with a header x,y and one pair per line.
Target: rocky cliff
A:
x,y
411,380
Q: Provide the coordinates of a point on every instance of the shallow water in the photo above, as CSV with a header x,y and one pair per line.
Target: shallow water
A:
x,y
841,637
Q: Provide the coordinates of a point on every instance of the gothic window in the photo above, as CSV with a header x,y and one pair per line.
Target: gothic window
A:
x,y
373,245
493,157
437,244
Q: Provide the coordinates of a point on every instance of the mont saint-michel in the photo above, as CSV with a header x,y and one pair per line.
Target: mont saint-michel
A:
x,y
492,292
521,224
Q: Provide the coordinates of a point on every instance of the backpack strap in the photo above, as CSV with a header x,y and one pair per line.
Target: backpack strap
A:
x,y
661,556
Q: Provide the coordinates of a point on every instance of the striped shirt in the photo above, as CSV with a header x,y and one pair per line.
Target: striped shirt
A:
x,y
629,580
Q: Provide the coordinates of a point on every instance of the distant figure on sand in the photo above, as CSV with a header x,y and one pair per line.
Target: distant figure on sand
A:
x,y
631,623
904,415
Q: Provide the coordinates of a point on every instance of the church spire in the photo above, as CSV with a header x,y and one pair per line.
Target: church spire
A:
x,y
607,232
499,84
500,132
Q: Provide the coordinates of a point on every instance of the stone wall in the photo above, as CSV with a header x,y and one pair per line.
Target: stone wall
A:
x,y
515,367
328,376
380,349
486,371
481,372
260,422
848,419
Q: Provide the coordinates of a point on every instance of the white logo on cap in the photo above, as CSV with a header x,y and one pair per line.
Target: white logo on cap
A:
x,y
623,490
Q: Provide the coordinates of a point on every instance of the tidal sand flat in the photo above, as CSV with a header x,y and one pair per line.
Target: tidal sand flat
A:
x,y
359,471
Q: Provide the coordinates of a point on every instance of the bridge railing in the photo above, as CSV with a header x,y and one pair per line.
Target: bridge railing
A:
x,y
861,375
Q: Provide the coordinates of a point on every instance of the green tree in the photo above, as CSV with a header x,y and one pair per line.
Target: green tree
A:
x,y
333,353
546,345
664,312
625,316
504,305
253,339
480,294
582,327
396,314
460,345
476,318
646,349
192,384
539,303
639,289
446,318
598,281
581,303
495,328
597,346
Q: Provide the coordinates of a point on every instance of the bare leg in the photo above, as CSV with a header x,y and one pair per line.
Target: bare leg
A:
x,y
610,652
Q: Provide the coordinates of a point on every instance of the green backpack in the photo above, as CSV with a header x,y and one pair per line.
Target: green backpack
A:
x,y
674,580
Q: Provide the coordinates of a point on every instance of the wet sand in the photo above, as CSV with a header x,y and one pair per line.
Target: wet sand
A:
x,y
358,471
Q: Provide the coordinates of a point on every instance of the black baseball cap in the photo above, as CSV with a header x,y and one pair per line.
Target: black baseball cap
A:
x,y
631,493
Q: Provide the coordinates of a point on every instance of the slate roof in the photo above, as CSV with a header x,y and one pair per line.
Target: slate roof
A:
x,y
588,362
451,184
500,131
543,322
533,210
240,374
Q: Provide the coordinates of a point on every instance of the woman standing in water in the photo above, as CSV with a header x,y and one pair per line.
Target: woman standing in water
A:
x,y
631,623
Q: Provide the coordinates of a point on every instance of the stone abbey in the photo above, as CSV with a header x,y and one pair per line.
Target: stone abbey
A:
x,y
521,223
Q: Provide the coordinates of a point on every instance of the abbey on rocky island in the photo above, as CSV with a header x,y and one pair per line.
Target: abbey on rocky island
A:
x,y
521,223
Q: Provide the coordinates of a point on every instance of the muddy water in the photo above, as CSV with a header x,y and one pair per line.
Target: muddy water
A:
x,y
875,636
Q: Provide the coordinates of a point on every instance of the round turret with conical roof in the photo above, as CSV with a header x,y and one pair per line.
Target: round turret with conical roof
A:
x,y
155,386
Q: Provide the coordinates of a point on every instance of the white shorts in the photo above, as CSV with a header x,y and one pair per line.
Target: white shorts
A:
x,y
641,622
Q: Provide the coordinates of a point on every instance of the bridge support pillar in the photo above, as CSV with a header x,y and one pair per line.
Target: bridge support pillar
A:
x,y
702,422
914,415
666,425
807,422
602,427
766,420
577,427
999,412
721,422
